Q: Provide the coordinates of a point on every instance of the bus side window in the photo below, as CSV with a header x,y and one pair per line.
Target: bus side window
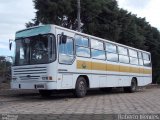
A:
x,y
123,55
97,49
111,52
82,46
133,55
81,41
146,60
140,58
66,50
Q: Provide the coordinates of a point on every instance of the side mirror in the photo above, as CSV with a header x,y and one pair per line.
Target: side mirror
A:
x,y
63,39
10,44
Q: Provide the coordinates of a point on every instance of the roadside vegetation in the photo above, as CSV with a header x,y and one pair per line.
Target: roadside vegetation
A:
x,y
102,18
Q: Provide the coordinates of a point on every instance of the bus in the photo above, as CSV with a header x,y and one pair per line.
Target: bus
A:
x,y
50,57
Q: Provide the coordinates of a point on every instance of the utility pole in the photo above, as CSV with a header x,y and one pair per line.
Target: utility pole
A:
x,y
79,15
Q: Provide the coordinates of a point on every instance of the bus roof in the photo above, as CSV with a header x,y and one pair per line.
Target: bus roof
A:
x,y
48,26
98,38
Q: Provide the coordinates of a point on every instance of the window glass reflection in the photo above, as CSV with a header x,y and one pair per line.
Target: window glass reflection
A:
x,y
147,63
123,59
133,61
140,55
132,53
140,62
146,56
66,51
95,44
81,41
112,57
111,48
82,51
98,54
122,50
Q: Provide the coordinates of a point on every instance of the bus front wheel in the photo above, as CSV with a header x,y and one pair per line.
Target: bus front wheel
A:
x,y
133,86
80,88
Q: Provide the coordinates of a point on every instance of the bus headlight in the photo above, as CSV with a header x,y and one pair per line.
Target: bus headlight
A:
x,y
47,78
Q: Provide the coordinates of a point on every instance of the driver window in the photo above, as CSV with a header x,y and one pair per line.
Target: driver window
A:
x,y
66,51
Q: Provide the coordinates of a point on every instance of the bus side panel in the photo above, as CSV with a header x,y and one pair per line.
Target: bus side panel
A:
x,y
99,76
145,76
125,78
142,81
112,74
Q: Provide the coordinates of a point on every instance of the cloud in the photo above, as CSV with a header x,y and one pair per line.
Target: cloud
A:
x,y
148,9
13,16
138,4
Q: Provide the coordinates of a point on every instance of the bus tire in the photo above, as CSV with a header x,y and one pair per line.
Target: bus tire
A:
x,y
45,93
81,87
132,88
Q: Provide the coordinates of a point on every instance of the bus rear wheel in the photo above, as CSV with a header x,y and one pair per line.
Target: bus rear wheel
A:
x,y
45,93
132,88
81,87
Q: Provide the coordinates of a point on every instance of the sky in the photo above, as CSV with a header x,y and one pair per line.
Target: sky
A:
x,y
13,16
15,13
143,8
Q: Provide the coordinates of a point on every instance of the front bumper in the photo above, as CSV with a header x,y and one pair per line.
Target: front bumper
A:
x,y
34,85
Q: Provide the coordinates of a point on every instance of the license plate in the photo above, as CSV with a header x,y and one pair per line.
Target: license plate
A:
x,y
40,86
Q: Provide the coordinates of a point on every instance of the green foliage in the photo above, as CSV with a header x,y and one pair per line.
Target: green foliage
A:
x,y
104,19
5,68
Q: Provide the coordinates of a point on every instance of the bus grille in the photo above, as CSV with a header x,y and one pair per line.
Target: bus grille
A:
x,y
29,73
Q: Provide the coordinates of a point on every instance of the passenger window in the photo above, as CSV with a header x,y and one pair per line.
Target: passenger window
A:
x,y
140,58
133,57
146,60
122,51
112,54
111,48
139,55
133,53
141,62
98,54
66,51
123,55
112,57
133,61
81,41
123,59
147,63
82,51
146,56
95,44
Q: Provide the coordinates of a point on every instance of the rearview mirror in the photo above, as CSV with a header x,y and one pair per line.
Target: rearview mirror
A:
x,y
10,44
63,39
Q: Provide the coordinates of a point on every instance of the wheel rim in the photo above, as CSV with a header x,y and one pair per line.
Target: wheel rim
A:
x,y
82,87
133,84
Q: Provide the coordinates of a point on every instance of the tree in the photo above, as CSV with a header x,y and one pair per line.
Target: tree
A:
x,y
5,68
104,19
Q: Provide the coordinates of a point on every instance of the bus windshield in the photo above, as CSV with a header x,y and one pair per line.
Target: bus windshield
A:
x,y
35,50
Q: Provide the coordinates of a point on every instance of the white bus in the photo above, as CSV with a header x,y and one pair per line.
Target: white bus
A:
x,y
50,58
